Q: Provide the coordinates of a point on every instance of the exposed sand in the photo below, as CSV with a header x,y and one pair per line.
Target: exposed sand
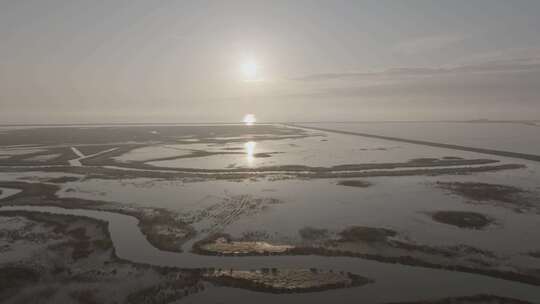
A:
x,y
287,281
223,245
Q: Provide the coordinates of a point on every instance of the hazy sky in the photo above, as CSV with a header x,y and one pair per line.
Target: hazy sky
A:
x,y
180,61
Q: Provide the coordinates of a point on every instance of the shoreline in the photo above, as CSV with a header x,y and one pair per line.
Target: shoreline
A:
x,y
531,157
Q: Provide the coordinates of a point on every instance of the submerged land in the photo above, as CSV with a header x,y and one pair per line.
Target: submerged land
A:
x,y
236,206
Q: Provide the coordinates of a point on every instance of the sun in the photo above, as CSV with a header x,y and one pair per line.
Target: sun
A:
x,y
249,119
250,70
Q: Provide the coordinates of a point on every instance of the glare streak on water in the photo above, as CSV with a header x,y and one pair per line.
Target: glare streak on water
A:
x,y
393,282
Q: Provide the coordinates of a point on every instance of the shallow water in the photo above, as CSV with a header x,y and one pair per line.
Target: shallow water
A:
x,y
514,137
399,203
152,152
393,202
18,151
7,192
392,281
326,150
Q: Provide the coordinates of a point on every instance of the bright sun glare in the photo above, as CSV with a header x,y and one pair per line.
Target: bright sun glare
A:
x,y
249,148
249,119
250,70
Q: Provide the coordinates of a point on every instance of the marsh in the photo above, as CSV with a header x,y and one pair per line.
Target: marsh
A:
x,y
247,151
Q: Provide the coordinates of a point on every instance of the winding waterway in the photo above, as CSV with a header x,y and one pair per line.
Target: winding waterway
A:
x,y
393,282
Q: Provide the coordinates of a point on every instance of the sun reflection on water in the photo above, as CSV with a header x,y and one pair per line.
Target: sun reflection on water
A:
x,y
249,148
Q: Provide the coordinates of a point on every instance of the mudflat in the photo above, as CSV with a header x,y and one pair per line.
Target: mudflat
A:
x,y
266,209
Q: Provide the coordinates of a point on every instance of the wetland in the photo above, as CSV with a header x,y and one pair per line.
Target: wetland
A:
x,y
163,214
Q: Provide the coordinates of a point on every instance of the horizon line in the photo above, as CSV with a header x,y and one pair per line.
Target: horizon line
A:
x,y
274,122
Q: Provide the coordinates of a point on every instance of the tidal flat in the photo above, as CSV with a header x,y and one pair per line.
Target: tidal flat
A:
x,y
193,214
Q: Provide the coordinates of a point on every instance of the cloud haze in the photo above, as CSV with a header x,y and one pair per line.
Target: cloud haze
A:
x,y
144,61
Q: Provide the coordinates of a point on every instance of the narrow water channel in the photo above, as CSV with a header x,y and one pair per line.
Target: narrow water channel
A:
x,y
393,282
